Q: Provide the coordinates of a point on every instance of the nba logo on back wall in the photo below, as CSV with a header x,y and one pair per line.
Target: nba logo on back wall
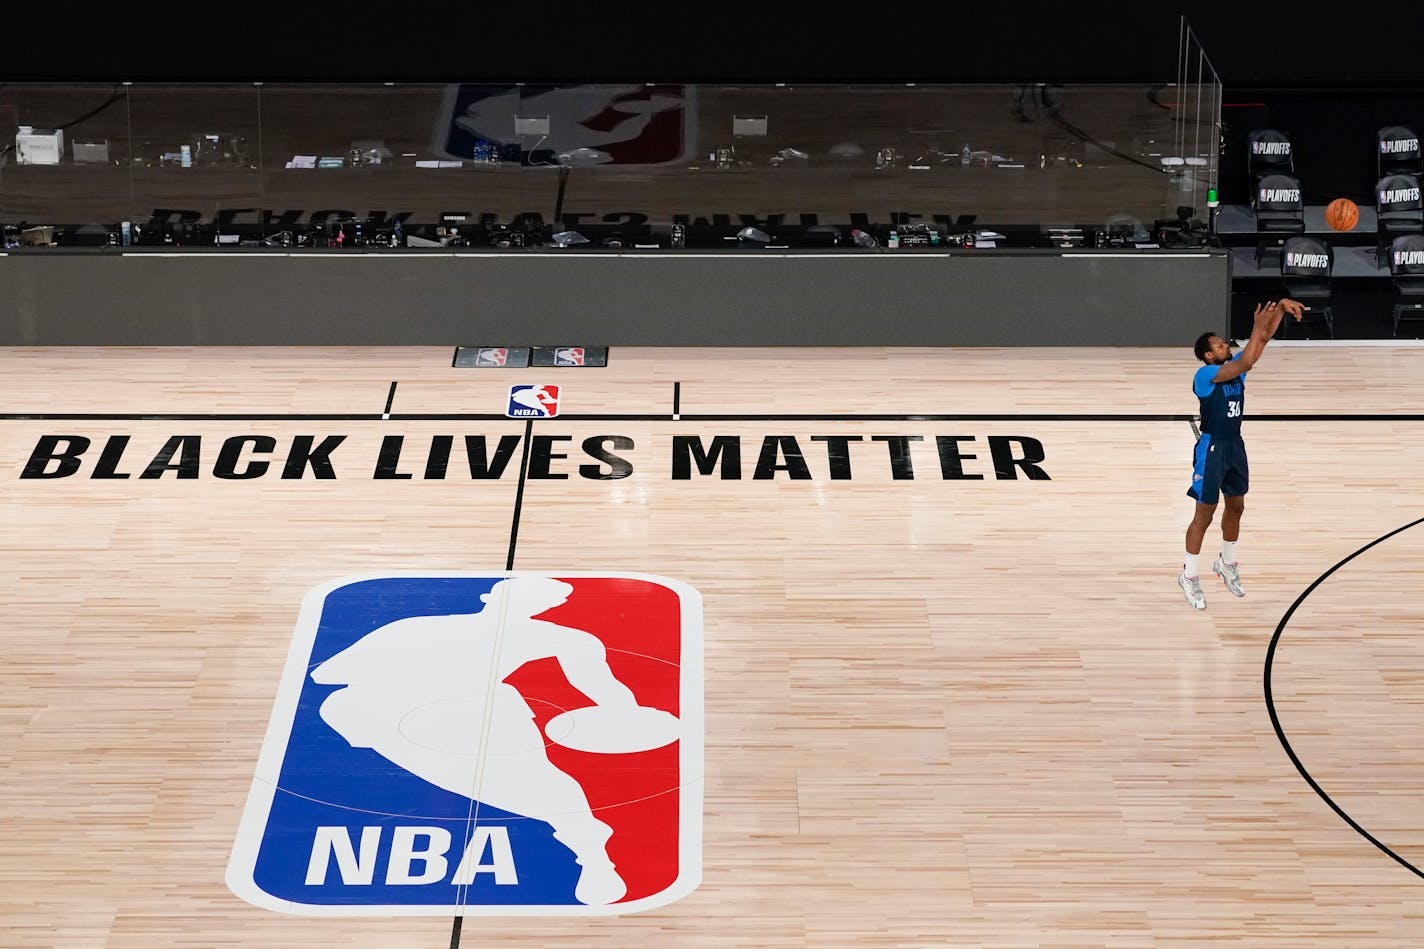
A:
x,y
499,744
568,125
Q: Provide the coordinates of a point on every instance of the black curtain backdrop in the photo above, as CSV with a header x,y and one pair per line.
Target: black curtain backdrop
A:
x,y
555,40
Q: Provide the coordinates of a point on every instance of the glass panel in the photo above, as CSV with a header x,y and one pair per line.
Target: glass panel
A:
x,y
1111,146
620,165
742,169
605,161
975,163
195,156
1198,127
839,156
358,165
64,152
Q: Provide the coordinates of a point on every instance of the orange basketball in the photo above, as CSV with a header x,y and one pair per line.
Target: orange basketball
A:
x,y
1342,214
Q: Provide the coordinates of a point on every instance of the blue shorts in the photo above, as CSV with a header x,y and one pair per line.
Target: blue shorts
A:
x,y
1218,467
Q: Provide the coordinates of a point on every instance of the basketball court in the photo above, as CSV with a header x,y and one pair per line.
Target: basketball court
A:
x,y
946,689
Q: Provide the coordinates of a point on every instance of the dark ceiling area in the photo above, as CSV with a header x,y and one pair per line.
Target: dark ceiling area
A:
x,y
1087,41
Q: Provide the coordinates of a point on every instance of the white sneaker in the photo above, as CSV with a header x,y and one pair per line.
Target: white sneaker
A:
x,y
1229,575
1191,588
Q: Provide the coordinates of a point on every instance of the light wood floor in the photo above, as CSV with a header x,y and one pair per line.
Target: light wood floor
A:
x,y
937,712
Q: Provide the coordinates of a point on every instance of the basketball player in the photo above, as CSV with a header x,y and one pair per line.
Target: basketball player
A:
x,y
1219,461
450,718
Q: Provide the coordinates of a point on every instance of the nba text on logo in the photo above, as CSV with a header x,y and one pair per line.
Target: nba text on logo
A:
x,y
533,402
497,744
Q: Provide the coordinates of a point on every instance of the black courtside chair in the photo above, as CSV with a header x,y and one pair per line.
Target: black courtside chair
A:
x,y
1406,270
1268,152
1279,209
1397,151
1306,267
1399,210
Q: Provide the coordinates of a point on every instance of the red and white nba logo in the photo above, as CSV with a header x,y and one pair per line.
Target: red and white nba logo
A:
x,y
508,743
493,357
533,402
579,125
568,356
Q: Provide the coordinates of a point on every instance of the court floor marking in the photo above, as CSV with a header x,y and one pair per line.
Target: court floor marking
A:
x,y
1275,719
687,417
458,920
457,923
519,494
848,417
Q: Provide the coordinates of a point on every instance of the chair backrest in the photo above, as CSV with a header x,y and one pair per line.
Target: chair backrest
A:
x,y
1398,149
1268,151
1307,257
1278,193
1406,256
1395,193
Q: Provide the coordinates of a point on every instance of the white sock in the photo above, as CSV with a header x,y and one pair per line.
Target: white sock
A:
x,y
1191,565
1228,551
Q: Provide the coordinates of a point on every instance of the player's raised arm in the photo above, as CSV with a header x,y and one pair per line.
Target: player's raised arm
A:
x,y
1264,322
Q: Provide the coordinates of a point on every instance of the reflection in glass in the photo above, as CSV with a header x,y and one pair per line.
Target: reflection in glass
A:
x,y
663,164
193,162
63,155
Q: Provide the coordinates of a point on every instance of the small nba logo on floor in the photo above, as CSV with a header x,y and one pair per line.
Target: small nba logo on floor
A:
x,y
568,356
533,402
493,357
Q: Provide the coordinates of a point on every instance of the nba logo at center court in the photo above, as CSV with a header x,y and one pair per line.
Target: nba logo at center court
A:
x,y
533,402
494,744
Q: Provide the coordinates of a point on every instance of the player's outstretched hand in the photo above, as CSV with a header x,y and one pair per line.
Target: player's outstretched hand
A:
x,y
1266,312
1294,308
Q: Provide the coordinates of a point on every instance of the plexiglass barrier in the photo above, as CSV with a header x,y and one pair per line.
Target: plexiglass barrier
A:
x,y
603,165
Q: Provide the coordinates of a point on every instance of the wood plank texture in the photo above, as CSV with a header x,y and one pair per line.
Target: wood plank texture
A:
x,y
940,710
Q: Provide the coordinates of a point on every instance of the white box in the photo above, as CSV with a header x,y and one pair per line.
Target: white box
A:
x,y
749,125
38,146
90,153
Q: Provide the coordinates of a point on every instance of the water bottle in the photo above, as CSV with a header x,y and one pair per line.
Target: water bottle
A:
x,y
966,156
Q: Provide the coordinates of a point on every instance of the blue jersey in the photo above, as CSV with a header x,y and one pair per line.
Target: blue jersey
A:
x,y
1222,405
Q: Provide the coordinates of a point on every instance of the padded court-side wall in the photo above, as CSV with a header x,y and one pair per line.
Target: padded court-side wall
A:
x,y
975,298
